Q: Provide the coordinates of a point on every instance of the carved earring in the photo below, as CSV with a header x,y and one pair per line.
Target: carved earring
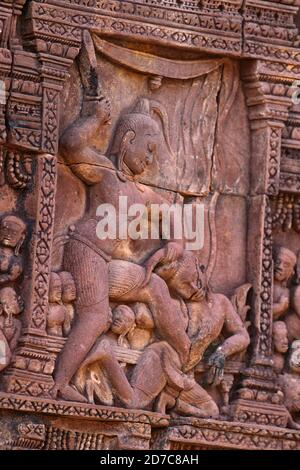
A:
x,y
19,245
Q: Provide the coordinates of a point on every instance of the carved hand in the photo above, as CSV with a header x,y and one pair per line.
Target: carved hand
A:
x,y
100,109
217,363
173,251
284,301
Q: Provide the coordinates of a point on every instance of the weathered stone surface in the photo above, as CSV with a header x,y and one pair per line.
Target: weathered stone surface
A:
x,y
170,333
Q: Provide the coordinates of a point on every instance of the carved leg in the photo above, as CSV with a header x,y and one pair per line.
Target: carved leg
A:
x,y
203,404
148,379
116,374
87,328
165,402
89,271
183,408
167,317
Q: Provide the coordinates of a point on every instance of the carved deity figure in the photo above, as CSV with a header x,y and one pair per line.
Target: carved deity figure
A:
x,y
284,265
280,345
11,305
12,236
292,318
135,142
57,316
210,315
289,382
68,297
207,312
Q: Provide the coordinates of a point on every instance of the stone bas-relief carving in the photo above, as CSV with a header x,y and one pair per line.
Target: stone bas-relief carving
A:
x,y
135,144
12,236
62,293
286,330
144,341
10,326
208,314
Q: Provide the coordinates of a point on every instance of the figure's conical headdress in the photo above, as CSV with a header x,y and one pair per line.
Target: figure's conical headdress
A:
x,y
143,109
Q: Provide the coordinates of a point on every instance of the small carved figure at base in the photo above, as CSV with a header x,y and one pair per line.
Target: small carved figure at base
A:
x,y
280,345
290,385
284,265
68,297
57,313
12,236
94,375
11,305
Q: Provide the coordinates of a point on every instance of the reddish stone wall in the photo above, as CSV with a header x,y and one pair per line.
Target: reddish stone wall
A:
x,y
135,343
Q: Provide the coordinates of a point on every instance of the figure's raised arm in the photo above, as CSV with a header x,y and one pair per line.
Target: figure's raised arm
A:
x,y
76,142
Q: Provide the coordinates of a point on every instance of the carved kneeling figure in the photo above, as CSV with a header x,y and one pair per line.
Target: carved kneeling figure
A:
x,y
101,371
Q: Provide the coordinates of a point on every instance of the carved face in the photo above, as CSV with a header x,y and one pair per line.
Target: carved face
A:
x,y
68,290
55,289
10,302
140,145
11,231
123,320
294,361
5,257
188,281
280,337
283,267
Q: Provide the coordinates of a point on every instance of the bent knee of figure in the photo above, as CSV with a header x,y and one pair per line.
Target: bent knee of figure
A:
x,y
158,287
212,409
105,349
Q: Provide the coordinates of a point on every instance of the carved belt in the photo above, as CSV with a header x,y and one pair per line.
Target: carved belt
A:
x,y
91,245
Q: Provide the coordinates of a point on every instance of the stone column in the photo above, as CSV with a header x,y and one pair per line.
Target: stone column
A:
x,y
267,93
30,371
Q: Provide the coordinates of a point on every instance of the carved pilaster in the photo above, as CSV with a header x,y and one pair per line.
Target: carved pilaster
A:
x,y
33,117
268,103
56,51
31,368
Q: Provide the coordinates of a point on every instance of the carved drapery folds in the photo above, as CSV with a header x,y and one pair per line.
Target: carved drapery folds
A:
x,y
161,102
